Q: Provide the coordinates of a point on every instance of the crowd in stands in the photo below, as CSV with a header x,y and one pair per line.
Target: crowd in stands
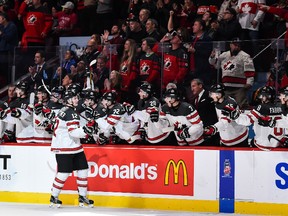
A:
x,y
160,43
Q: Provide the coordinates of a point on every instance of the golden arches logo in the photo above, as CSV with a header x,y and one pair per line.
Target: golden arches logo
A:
x,y
176,168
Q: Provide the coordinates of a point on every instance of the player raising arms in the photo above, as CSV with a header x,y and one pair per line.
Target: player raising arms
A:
x,y
69,151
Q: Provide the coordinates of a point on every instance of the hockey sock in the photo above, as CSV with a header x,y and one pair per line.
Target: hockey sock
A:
x,y
58,183
82,182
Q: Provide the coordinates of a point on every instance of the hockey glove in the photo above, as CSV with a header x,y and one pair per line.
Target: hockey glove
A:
x,y
283,142
90,127
9,136
3,114
90,112
154,114
130,109
230,112
38,108
210,131
16,113
183,133
48,113
103,139
267,121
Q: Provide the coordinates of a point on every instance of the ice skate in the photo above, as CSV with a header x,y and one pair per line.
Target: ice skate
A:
x,y
84,201
55,202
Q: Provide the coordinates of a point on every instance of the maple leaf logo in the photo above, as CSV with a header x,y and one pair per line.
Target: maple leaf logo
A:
x,y
246,8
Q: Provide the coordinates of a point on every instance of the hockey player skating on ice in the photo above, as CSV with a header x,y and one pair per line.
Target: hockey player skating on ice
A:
x,y
146,105
182,117
230,132
69,151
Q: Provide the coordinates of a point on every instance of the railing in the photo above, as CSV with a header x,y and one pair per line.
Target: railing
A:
x,y
265,54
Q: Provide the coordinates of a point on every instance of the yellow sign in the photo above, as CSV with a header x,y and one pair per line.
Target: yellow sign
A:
x,y
176,168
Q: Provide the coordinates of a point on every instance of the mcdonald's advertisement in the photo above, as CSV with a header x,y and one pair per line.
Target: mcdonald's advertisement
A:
x,y
133,170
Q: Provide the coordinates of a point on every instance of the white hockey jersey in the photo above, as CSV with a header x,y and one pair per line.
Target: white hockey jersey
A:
x,y
237,71
231,133
67,132
153,133
263,134
184,116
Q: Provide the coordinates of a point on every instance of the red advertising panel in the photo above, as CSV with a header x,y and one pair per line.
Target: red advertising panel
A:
x,y
132,170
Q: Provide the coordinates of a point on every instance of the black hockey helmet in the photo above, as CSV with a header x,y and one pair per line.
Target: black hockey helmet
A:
x,y
76,87
218,88
110,96
23,85
90,94
146,87
69,94
173,93
43,89
267,91
58,89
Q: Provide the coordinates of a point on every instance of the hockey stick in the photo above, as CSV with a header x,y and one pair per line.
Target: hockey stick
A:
x,y
49,92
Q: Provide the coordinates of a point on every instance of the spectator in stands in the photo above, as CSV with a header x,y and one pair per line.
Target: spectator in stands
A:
x,y
250,17
67,20
144,15
8,41
200,50
113,40
175,61
69,61
114,82
149,5
149,64
101,73
226,4
87,17
151,29
237,72
105,16
129,72
229,27
163,13
40,72
79,72
208,5
7,7
91,52
37,22
135,30
205,107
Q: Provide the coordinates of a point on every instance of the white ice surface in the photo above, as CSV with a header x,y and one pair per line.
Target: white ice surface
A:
x,y
14,209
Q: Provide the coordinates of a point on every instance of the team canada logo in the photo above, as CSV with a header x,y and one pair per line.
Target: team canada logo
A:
x,y
124,68
229,65
246,8
167,63
144,68
31,19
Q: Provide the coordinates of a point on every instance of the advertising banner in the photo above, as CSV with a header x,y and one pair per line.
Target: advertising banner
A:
x,y
148,171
